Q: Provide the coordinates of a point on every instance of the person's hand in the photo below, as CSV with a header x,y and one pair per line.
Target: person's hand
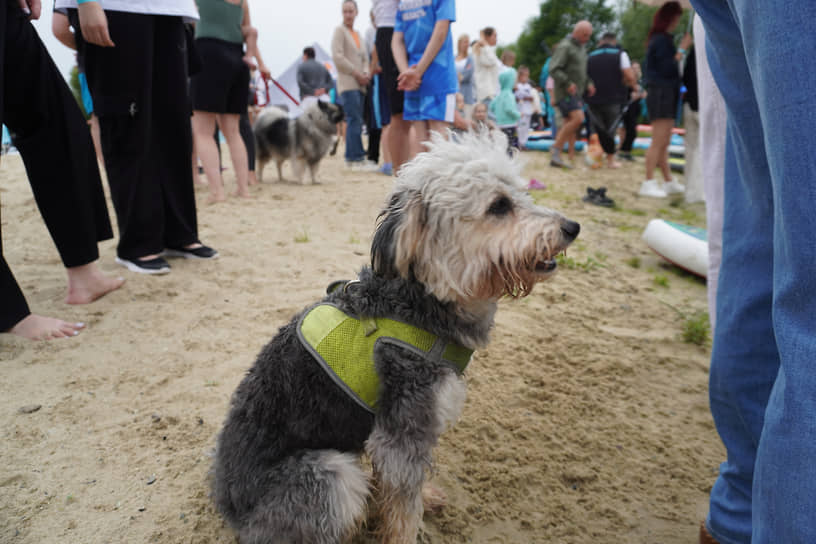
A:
x,y
590,89
362,79
409,80
94,24
319,92
572,89
265,73
685,43
32,8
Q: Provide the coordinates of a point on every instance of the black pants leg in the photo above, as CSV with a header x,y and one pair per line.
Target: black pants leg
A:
x,y
374,132
603,116
630,119
140,94
55,145
249,139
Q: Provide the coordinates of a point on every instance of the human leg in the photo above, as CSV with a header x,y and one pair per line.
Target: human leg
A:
x,y
203,127
353,108
766,289
229,124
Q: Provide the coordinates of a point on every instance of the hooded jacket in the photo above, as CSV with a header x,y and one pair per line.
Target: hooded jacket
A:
x,y
504,106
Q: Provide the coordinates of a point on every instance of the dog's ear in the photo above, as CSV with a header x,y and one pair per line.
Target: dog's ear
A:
x,y
399,235
324,107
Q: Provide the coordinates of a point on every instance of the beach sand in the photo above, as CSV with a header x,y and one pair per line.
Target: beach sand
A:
x,y
586,420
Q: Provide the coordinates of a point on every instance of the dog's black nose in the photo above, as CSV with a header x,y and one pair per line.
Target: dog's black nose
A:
x,y
570,229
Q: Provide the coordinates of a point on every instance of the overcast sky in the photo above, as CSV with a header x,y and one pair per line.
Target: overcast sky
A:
x,y
285,27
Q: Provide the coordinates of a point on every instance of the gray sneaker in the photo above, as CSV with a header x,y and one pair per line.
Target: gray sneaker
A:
x,y
556,162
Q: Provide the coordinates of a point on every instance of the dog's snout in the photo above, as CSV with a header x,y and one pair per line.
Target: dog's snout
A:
x,y
570,229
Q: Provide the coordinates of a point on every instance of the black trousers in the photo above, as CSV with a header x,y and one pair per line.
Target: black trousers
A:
x,y
141,97
374,132
55,144
603,116
630,119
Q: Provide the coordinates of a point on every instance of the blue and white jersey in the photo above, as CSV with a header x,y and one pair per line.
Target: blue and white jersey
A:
x,y
416,20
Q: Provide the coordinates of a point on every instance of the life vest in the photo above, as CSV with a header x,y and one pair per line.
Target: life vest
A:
x,y
344,347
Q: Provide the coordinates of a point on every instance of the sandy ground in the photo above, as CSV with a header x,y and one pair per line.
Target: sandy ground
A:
x,y
586,421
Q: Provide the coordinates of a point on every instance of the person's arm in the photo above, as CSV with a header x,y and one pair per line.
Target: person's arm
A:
x,y
467,73
32,8
303,82
344,65
250,35
94,23
61,28
557,68
411,78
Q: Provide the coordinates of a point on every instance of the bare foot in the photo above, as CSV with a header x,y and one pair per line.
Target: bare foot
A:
x,y
253,179
242,194
37,327
433,498
614,164
87,283
214,198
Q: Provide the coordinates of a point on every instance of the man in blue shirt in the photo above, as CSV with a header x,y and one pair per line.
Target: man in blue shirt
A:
x,y
423,52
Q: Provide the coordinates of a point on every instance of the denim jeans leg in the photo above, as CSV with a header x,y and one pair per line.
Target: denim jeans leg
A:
x,y
353,108
763,367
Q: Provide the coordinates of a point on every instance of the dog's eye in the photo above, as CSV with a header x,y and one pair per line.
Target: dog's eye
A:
x,y
501,206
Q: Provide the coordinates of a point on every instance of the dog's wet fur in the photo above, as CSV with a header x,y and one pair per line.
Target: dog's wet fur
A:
x,y
304,140
458,233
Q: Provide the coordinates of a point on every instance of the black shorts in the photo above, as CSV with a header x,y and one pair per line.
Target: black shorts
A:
x,y
661,102
569,104
382,41
223,82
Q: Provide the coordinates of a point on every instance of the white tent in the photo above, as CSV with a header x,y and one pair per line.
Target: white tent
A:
x,y
283,90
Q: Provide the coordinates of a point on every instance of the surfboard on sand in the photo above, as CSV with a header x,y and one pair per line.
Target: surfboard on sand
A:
x,y
682,245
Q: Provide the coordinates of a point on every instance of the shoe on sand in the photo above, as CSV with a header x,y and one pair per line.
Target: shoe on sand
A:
x,y
202,252
556,162
652,189
673,186
150,266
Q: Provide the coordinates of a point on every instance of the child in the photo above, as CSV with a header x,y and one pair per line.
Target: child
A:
x,y
460,122
423,51
526,104
505,110
479,119
508,59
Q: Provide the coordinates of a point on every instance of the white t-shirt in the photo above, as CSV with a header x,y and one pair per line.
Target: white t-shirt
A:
x,y
624,61
385,13
183,8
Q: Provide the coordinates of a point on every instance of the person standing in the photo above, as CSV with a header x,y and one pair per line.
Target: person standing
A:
x,y
762,383
525,97
663,93
464,73
487,65
631,115
423,51
396,130
314,80
349,55
136,65
568,68
609,67
61,165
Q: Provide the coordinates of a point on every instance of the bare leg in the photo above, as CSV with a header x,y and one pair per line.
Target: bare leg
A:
x,y
567,133
97,143
87,283
661,135
384,144
421,134
399,140
229,123
38,327
203,128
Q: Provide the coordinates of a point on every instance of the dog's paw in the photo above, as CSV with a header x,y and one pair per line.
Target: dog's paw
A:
x,y
433,498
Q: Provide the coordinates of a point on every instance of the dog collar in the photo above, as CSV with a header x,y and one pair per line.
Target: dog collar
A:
x,y
344,346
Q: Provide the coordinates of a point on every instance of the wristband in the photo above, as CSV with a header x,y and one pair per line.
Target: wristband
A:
x,y
681,50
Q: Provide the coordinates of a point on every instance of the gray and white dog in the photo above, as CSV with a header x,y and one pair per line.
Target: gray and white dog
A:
x,y
458,233
305,140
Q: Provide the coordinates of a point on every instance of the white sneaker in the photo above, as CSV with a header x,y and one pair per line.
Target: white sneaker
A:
x,y
362,166
673,186
652,189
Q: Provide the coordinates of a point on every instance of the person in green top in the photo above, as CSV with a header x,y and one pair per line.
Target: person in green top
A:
x,y
219,89
568,69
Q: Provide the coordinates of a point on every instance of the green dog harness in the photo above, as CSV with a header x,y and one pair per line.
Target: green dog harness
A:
x,y
344,346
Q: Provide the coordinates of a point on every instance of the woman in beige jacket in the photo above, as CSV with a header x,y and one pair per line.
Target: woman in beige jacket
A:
x,y
351,60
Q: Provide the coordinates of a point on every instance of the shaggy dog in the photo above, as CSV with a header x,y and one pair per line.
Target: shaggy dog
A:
x,y
458,233
305,140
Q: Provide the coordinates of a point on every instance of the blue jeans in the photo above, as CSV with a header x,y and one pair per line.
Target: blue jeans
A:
x,y
763,364
353,108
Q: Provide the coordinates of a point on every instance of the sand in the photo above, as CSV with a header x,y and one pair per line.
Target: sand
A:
x,y
586,421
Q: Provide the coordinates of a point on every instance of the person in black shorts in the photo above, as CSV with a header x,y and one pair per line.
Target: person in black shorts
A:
x,y
396,130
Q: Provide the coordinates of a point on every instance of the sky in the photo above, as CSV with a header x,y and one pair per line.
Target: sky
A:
x,y
285,27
